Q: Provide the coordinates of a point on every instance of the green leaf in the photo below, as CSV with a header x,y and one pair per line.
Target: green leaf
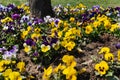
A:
x,y
110,73
96,73
113,78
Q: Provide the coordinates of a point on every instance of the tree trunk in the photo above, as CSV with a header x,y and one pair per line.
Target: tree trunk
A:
x,y
41,8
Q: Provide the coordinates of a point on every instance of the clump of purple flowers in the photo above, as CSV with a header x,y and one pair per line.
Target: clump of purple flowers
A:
x,y
9,54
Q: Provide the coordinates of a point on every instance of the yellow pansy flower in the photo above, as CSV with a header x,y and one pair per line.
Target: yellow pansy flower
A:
x,y
60,33
45,48
65,29
102,67
60,23
52,35
24,34
35,36
107,24
15,76
57,68
113,27
56,46
7,72
70,73
63,43
67,34
2,66
53,24
65,24
78,32
104,50
7,62
118,54
37,30
72,19
21,66
21,6
27,48
88,29
69,60
81,5
96,23
109,57
29,28
7,19
70,45
82,70
13,62
47,73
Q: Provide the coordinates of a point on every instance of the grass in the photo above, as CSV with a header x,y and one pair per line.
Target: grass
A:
x,y
17,2
88,3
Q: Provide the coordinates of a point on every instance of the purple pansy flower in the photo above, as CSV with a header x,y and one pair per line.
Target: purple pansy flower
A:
x,y
11,53
2,8
35,54
29,23
117,45
49,40
2,49
30,42
15,16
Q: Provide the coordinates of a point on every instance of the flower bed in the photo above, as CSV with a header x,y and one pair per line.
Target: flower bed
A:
x,y
79,43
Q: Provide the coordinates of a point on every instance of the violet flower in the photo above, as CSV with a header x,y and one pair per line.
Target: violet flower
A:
x,y
48,40
2,49
35,54
117,8
8,55
30,42
10,29
15,16
11,53
37,21
29,23
96,7
2,8
117,45
14,49
24,19
11,6
56,22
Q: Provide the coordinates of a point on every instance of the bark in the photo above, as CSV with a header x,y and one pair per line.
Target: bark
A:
x,y
41,8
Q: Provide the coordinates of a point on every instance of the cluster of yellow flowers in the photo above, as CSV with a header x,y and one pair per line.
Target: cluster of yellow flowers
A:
x,y
6,20
25,8
101,21
10,73
74,10
69,37
67,33
67,69
103,66
108,56
106,21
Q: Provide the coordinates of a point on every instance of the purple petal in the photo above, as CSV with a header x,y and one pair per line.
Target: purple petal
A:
x,y
117,46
